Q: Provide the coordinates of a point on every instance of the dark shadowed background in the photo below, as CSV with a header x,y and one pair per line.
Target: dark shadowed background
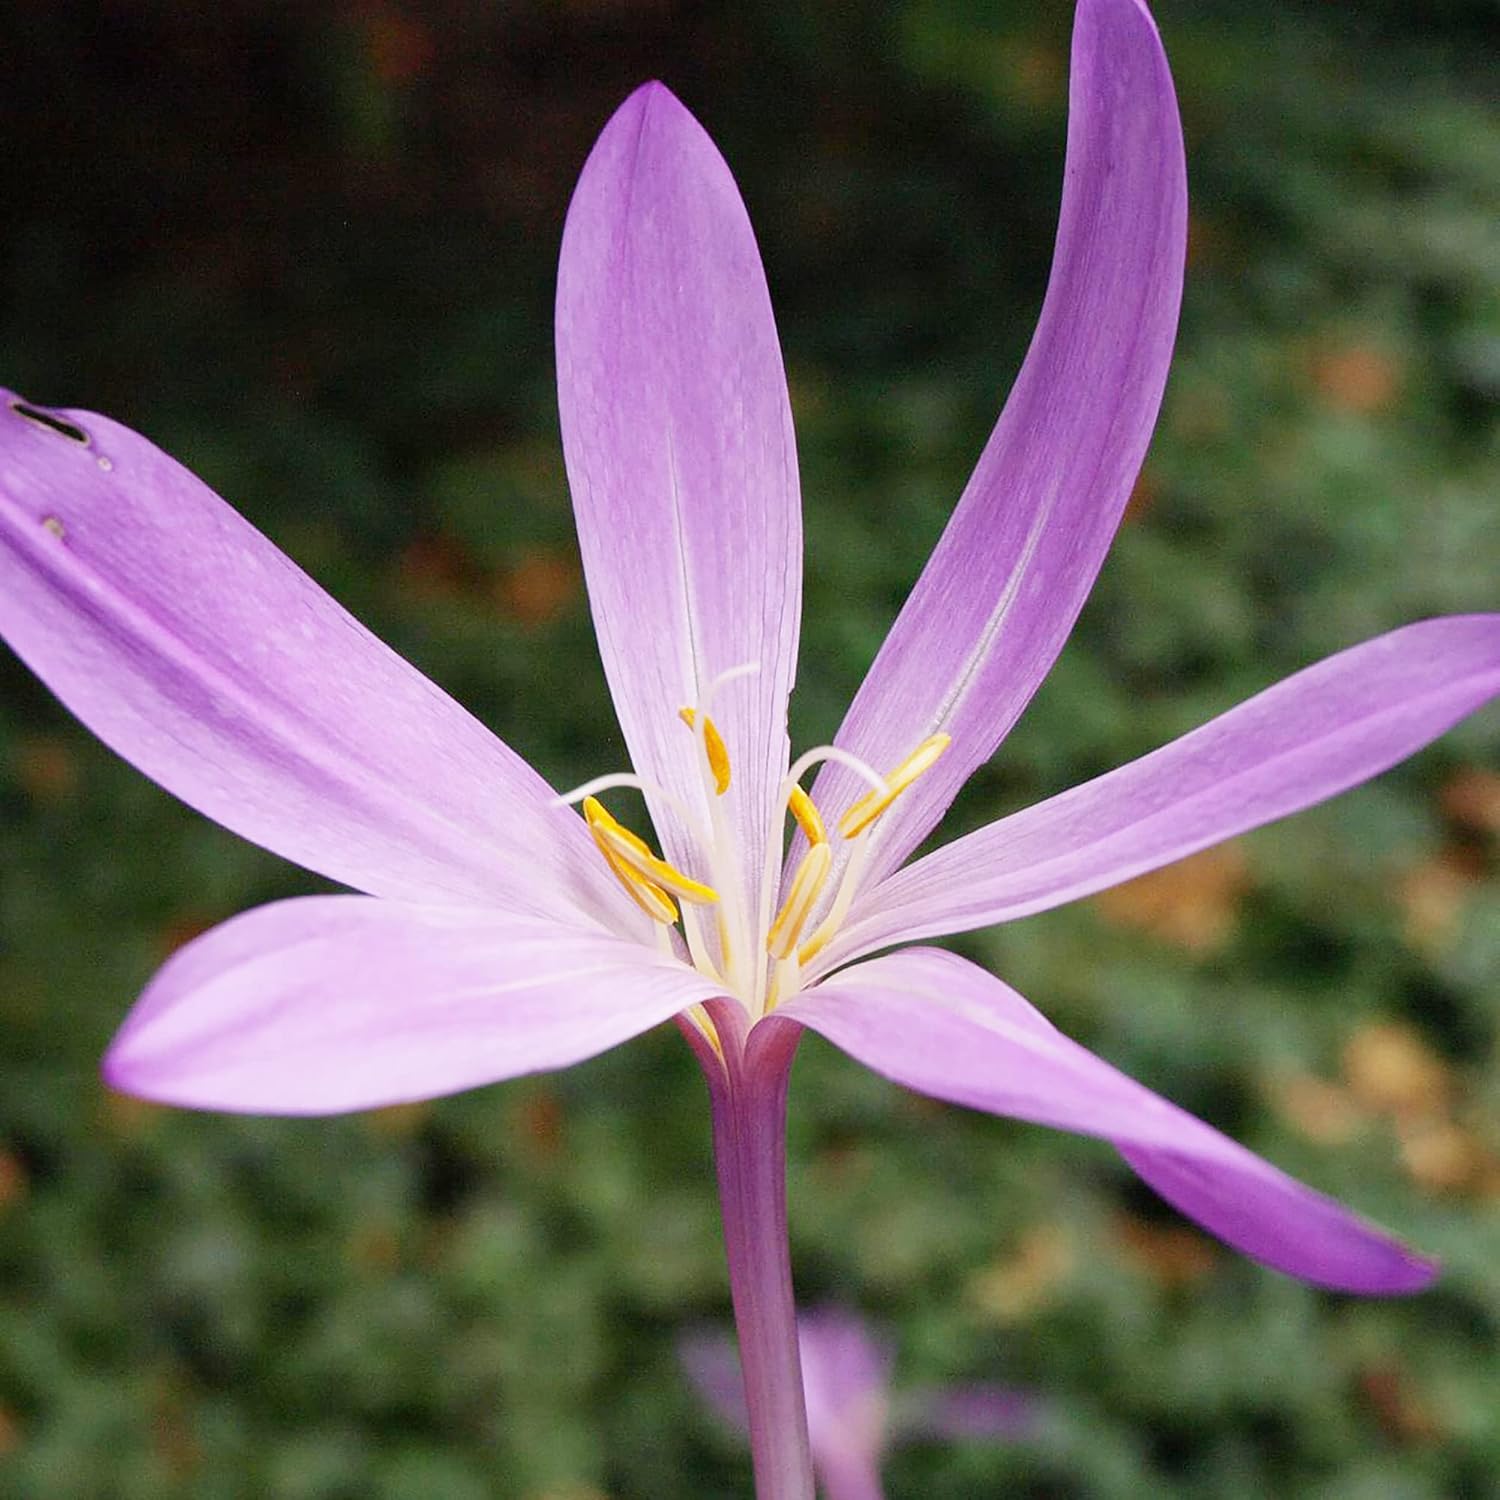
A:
x,y
310,250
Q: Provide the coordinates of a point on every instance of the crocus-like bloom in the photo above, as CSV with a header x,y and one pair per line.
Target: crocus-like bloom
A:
x,y
854,1418
498,933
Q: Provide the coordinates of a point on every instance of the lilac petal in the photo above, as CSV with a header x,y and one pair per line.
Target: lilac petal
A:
x,y
331,1003
713,1366
678,438
1008,577
938,1024
194,648
846,1377
846,1381
1321,731
958,1413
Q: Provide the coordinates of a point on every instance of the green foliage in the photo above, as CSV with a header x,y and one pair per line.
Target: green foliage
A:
x,y
311,252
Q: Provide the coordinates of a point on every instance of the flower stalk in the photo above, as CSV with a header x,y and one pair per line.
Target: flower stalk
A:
x,y
747,1085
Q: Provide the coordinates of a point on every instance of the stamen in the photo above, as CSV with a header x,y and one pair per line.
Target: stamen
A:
x,y
728,675
632,851
697,948
616,779
862,813
651,899
817,755
790,783
809,819
612,782
720,848
713,746
843,899
807,886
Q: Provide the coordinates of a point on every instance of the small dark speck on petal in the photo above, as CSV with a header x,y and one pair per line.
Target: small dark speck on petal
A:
x,y
56,527
60,425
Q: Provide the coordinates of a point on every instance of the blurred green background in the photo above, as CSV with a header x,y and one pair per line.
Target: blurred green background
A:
x,y
310,250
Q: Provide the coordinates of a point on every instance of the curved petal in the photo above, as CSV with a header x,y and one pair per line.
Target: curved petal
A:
x,y
1327,728
846,1380
198,651
963,1412
1008,577
678,437
711,1361
846,1385
325,1004
938,1024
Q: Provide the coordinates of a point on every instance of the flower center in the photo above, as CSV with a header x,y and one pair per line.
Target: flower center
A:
x,y
731,935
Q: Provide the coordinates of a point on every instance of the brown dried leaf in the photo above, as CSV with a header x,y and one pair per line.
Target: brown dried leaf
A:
x,y
1193,904
1014,1289
1434,894
12,1180
401,50
1142,497
437,569
373,1247
46,769
1358,378
1172,1254
538,588
1317,1109
1390,1070
1471,798
1442,1157
397,1121
1401,1410
126,1116
536,1119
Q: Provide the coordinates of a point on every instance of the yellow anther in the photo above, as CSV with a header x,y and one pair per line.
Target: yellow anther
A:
x,y
869,807
646,894
713,743
651,899
814,945
807,886
809,819
628,849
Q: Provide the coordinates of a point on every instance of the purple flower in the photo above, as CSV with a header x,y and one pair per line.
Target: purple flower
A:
x,y
498,933
854,1418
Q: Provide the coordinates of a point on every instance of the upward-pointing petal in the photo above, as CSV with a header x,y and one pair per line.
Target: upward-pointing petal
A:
x,y
678,437
1001,591
202,654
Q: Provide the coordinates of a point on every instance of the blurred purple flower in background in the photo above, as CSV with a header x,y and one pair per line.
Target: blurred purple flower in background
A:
x,y
498,934
854,1415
